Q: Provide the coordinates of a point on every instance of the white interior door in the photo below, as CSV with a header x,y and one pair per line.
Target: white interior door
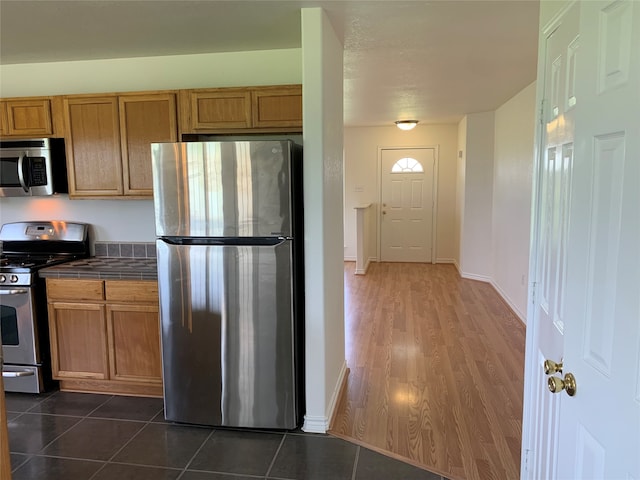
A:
x,y
600,426
554,176
406,205
586,305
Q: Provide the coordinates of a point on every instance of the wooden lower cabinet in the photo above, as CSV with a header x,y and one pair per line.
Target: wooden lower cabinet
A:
x,y
109,340
78,346
134,338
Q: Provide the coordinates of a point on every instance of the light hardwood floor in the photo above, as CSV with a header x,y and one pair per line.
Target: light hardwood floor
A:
x,y
436,370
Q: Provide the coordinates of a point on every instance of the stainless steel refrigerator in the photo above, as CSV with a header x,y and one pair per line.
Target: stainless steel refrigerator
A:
x,y
230,275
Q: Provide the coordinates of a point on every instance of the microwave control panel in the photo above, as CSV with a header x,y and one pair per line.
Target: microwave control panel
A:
x,y
38,171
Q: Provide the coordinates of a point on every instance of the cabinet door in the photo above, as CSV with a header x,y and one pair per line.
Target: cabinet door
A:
x,y
93,146
144,119
220,109
134,343
78,341
4,130
28,117
277,107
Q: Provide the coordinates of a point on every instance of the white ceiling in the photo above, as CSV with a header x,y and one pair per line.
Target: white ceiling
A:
x,y
428,60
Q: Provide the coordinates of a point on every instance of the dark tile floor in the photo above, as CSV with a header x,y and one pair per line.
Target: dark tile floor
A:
x,y
74,436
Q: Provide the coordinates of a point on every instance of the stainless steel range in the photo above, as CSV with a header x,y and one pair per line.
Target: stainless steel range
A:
x,y
26,248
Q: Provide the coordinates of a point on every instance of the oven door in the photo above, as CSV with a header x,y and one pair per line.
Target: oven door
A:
x,y
18,326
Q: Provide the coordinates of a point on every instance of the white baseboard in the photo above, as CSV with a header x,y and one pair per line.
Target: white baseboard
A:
x,y
446,260
473,276
349,259
501,292
320,424
506,298
315,424
363,271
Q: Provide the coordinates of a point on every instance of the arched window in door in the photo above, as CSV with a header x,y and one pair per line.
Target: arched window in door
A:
x,y
407,165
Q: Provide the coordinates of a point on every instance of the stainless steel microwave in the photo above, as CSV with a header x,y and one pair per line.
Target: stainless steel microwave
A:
x,y
33,167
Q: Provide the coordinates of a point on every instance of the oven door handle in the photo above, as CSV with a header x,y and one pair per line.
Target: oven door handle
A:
x,y
14,291
22,373
21,179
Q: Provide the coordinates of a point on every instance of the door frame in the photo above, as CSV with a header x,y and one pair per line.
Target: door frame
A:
x,y
434,199
531,365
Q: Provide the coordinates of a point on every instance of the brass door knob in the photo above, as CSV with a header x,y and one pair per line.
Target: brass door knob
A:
x,y
551,367
568,384
384,213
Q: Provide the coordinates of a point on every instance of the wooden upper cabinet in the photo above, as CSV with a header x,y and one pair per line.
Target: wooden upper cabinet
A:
x,y
3,119
108,142
277,107
238,110
144,119
94,161
222,108
27,117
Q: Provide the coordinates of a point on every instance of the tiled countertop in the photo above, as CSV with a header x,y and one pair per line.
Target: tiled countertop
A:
x,y
125,268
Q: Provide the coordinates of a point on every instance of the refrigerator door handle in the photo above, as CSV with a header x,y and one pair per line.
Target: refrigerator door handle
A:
x,y
221,241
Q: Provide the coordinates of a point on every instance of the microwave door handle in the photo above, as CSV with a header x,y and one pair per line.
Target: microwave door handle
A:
x,y
21,179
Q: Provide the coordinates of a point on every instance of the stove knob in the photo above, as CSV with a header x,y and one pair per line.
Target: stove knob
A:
x,y
3,278
13,278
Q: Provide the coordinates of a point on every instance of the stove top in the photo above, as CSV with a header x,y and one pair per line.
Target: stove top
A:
x,y
27,262
29,246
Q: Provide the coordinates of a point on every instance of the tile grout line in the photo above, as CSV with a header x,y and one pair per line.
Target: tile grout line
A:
x,y
108,461
196,454
28,457
273,460
146,424
81,417
355,463
31,455
107,400
92,460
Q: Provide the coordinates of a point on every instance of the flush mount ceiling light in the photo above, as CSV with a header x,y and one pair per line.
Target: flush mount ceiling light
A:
x,y
406,124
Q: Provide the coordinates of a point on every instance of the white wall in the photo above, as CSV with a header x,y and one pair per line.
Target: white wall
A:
x,y
264,67
323,165
512,180
111,220
361,179
475,242
132,220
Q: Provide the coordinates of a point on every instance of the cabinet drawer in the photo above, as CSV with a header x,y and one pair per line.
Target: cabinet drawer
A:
x,y
131,291
74,289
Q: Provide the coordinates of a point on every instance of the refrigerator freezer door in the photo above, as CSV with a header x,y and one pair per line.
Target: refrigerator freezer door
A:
x,y
222,189
228,335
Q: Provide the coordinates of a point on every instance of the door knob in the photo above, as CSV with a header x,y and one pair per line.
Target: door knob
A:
x,y
384,212
568,384
551,367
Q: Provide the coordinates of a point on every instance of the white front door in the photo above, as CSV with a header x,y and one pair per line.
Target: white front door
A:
x,y
406,205
592,133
